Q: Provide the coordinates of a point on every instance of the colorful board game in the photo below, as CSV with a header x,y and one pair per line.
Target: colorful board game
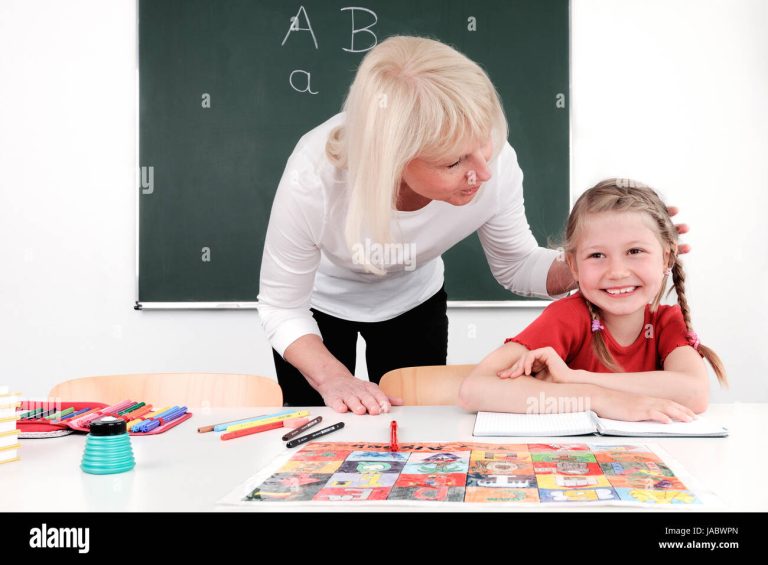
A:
x,y
471,473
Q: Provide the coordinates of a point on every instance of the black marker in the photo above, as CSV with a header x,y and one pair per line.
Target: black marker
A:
x,y
304,428
318,433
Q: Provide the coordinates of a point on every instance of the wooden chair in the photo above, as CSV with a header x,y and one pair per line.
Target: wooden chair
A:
x,y
432,385
194,390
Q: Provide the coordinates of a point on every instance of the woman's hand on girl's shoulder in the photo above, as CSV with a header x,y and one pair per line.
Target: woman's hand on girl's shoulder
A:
x,y
681,229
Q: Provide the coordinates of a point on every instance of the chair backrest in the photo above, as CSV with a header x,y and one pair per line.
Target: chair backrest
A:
x,y
194,390
431,385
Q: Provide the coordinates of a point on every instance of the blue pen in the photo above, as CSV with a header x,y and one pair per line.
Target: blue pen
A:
x,y
144,426
175,411
167,416
175,414
151,425
140,426
222,427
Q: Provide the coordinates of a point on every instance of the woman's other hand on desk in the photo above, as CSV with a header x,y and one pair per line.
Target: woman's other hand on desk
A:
x,y
352,394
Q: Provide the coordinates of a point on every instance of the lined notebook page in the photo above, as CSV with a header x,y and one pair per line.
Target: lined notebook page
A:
x,y
699,427
503,424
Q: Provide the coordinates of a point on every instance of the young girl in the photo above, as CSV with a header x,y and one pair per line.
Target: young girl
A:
x,y
610,347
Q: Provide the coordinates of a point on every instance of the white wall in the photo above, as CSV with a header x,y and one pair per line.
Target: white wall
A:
x,y
672,92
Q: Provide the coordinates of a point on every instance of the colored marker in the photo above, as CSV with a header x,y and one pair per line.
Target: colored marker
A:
x,y
86,420
137,414
131,409
304,428
79,422
161,419
62,413
134,424
156,412
317,434
177,413
112,410
75,414
32,414
393,436
171,410
147,424
224,425
262,421
252,430
134,419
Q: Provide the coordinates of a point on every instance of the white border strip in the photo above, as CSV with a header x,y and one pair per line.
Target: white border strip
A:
x,y
254,305
137,162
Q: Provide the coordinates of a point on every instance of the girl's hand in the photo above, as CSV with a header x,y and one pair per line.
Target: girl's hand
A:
x,y
637,408
544,364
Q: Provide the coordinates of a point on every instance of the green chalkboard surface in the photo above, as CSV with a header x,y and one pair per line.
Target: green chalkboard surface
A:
x,y
226,89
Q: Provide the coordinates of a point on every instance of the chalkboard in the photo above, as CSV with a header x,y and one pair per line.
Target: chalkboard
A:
x,y
226,89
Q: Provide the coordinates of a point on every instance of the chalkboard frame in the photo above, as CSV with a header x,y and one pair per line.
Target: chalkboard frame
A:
x,y
249,305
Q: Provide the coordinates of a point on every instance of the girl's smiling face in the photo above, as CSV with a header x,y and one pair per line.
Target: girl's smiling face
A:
x,y
618,261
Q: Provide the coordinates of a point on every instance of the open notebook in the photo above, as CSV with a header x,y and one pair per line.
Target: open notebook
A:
x,y
582,423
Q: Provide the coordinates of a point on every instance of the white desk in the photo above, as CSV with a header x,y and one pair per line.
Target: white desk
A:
x,y
183,470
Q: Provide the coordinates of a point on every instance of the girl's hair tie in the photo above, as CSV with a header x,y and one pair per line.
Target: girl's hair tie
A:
x,y
693,340
597,325
667,272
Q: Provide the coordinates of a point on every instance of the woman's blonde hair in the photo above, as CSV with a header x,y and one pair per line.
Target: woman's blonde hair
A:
x,y
411,97
625,195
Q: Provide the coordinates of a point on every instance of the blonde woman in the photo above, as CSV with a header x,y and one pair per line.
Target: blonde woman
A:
x,y
369,201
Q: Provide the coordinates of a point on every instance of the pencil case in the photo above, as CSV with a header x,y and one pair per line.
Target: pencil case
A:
x,y
43,427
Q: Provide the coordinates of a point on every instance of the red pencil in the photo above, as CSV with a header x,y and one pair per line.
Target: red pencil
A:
x,y
253,430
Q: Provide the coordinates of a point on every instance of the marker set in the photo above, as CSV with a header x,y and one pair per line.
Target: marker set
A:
x,y
50,419
309,437
266,422
256,424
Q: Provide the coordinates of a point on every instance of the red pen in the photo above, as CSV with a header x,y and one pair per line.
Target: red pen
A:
x,y
393,436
